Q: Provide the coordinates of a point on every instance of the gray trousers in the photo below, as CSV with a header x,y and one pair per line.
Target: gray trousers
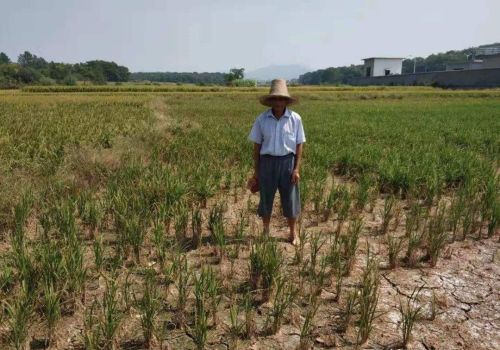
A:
x,y
275,173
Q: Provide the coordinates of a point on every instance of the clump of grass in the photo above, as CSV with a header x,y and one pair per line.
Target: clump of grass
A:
x,y
183,276
200,331
235,327
415,239
368,298
112,315
98,248
285,294
52,310
410,312
19,313
394,245
91,332
249,315
362,193
349,245
299,248
307,327
265,263
334,257
343,210
181,220
217,229
148,305
387,214
436,236
196,225
351,303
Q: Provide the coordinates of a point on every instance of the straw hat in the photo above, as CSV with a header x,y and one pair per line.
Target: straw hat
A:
x,y
278,89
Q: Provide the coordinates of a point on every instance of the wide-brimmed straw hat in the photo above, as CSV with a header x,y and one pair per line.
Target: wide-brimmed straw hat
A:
x,y
278,89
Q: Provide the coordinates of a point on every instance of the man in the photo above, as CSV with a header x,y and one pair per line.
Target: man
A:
x,y
278,137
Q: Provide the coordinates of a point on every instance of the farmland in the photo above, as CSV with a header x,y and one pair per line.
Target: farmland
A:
x,y
125,221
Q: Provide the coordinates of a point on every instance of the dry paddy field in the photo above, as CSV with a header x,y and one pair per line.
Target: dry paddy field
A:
x,y
125,222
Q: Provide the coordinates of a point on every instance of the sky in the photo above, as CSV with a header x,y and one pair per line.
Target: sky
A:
x,y
216,35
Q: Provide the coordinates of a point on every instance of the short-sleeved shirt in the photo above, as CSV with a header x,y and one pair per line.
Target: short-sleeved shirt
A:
x,y
278,137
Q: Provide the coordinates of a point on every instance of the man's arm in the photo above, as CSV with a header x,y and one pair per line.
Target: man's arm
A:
x,y
298,157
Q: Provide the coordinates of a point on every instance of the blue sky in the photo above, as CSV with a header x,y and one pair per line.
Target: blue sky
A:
x,y
195,35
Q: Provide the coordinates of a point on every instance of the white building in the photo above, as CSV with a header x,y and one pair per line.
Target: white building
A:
x,y
380,66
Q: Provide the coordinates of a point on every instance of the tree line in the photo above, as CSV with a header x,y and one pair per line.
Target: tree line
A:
x,y
32,69
431,63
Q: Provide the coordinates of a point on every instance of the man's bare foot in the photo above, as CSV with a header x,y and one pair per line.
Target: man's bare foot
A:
x,y
295,240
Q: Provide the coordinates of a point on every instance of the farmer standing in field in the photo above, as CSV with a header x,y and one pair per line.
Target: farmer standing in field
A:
x,y
278,137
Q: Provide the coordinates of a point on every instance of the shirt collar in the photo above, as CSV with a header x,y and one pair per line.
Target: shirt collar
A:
x,y
287,113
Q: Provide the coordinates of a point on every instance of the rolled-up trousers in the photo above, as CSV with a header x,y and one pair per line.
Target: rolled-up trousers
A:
x,y
275,173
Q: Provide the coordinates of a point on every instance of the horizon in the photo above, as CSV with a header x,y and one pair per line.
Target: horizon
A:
x,y
164,36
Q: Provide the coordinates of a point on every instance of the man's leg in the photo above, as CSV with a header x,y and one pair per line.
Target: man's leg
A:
x,y
290,198
267,190
266,220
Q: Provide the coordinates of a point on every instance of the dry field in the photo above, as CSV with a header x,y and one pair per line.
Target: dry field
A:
x,y
125,222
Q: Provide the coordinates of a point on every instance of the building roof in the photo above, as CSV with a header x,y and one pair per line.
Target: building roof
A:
x,y
390,58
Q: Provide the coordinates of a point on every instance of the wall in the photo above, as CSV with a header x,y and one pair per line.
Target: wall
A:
x,y
453,79
381,64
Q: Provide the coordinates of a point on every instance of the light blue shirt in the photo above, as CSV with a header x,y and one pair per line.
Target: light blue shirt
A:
x,y
278,137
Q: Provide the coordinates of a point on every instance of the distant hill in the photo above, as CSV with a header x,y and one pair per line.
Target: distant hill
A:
x,y
292,71
431,63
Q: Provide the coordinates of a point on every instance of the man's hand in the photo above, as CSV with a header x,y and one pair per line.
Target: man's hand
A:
x,y
295,176
252,181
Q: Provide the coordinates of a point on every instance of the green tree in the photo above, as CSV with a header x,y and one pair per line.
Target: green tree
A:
x,y
4,59
234,74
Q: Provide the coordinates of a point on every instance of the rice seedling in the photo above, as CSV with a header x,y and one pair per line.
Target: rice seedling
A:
x,y
91,335
199,334
436,236
91,212
52,310
265,262
196,226
98,248
213,290
368,298
19,313
317,243
351,303
394,246
349,245
236,326
111,315
21,212
329,203
456,211
307,327
335,259
75,271
299,248
362,193
343,212
135,235
7,279
217,229
387,214
317,194
410,312
183,276
284,296
180,223
148,305
240,231
248,305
